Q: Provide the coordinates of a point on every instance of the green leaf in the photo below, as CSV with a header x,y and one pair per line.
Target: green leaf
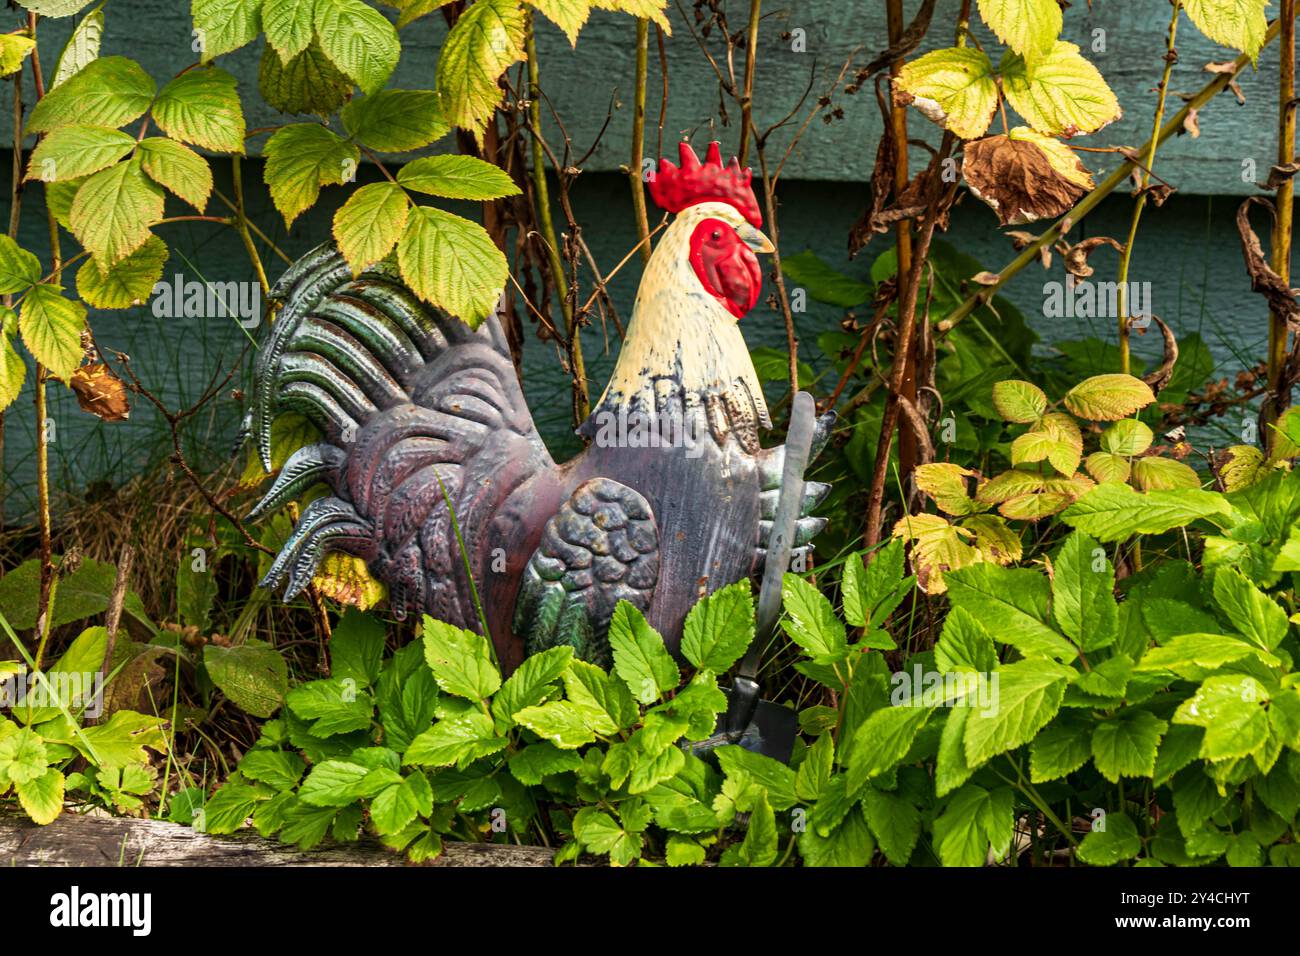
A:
x,y
720,628
601,833
127,283
811,622
451,263
964,644
683,851
1083,599
1061,93
1060,748
1250,610
51,327
81,49
395,807
1126,745
640,658
849,844
202,107
538,761
1127,437
1113,511
815,770
775,779
18,267
253,675
360,41
42,797
1188,655
824,283
309,83
114,209
486,40
1181,745
605,703
122,740
335,707
110,92
275,768
1115,844
369,224
72,151
895,822
457,177
357,647
560,722
395,121
289,26
461,660
1232,711
1012,604
299,160
760,846
881,743
531,683
1029,27
23,757
222,26
953,87
1028,696
12,367
14,50
1240,24
1152,473
178,168
456,740
1018,401
974,822
334,783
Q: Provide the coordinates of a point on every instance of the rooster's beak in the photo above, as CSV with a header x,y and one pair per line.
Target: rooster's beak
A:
x,y
755,239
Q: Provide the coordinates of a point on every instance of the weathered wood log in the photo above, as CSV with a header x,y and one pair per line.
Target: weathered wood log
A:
x,y
88,840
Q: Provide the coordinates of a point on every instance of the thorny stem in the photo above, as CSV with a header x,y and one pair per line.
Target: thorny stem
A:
x,y
905,383
747,91
1279,390
15,205
1126,254
577,366
43,610
241,224
638,138
1090,202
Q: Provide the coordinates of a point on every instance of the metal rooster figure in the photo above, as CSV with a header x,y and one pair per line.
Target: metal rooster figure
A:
x,y
673,499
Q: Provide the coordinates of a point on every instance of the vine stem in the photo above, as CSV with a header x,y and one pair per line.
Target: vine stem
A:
x,y
542,196
638,138
1090,202
1126,254
747,92
1279,390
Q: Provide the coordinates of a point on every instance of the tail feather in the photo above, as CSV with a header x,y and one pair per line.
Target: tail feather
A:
x,y
420,415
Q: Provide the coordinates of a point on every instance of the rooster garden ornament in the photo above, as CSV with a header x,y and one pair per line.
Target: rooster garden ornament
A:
x,y
427,432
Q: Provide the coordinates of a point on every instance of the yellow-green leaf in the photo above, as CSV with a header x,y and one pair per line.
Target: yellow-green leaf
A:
x,y
452,263
114,209
14,49
51,327
110,92
178,168
954,88
300,159
1240,24
1153,473
221,26
1018,401
202,107
653,10
360,41
1127,437
82,47
72,151
1107,466
568,15
946,484
125,283
369,224
457,177
12,367
1030,27
1108,398
18,267
289,25
309,83
937,547
483,44
395,121
1241,466
1059,93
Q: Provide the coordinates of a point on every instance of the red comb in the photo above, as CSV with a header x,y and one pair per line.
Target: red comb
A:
x,y
694,182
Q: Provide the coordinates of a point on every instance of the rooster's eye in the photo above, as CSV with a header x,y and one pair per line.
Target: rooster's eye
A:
x,y
716,235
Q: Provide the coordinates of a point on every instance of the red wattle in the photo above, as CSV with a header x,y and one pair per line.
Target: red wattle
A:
x,y
725,266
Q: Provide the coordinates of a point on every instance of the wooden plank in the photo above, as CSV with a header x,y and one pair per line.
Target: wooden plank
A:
x,y
85,840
